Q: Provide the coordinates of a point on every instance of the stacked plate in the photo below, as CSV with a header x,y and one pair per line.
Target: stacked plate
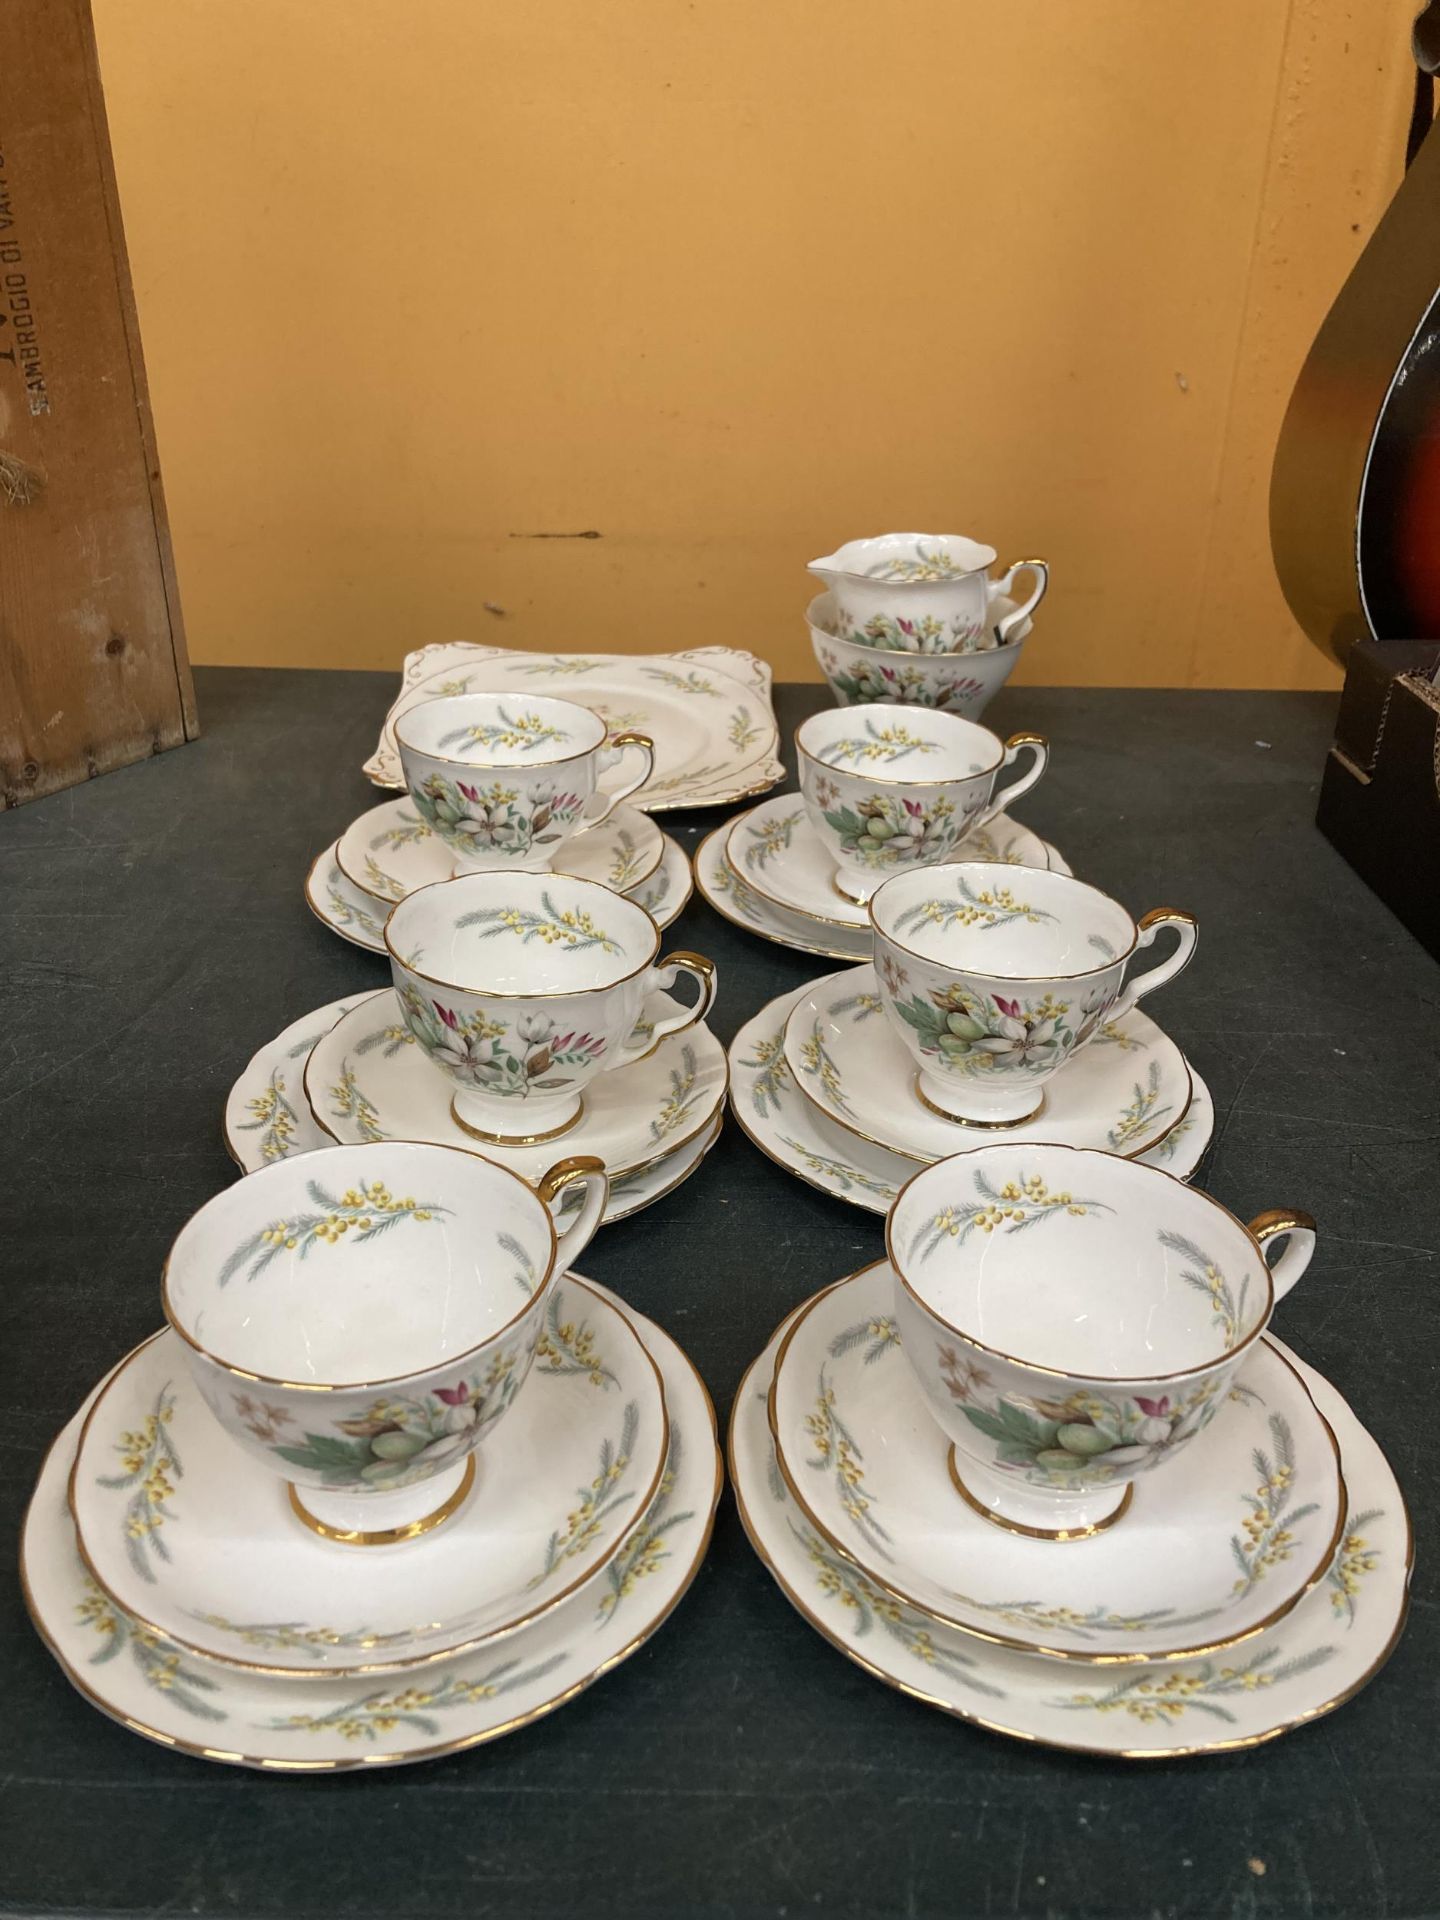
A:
x,y
822,1086
767,870
707,710
1263,1589
291,1531
350,1073
390,851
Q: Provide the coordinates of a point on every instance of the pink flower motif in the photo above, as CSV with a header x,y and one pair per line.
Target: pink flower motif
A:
x,y
914,809
447,1016
470,793
1156,1409
1010,1008
454,1396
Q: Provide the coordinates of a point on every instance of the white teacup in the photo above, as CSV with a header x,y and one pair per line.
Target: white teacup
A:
x,y
889,788
505,778
522,988
360,1318
1075,1320
923,592
992,975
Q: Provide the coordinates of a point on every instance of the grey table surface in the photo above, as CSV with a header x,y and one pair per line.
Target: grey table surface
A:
x,y
155,935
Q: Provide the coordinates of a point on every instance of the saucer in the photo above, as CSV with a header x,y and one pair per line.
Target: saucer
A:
x,y
360,919
736,901
195,1539
1335,1641
268,1118
708,709
776,852
788,1129
265,1116
1217,1547
1122,1092
390,851
324,1723
367,1080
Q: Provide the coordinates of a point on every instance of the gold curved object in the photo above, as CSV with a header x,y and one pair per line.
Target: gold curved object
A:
x,y
1166,917
385,1536
1277,1220
565,1173
629,737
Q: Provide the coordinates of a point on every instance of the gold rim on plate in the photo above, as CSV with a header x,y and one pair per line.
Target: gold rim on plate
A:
x,y
362,1762
972,1718
460,1146
1010,1641
901,1153
367,1668
791,944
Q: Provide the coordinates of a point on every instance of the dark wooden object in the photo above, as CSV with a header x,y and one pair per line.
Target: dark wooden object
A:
x,y
1355,488
93,667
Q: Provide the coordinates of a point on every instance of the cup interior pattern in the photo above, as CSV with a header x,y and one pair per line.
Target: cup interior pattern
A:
x,y
521,933
1003,922
500,729
358,1263
1078,1262
910,558
876,743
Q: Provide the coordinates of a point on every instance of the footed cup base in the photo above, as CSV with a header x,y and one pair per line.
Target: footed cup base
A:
x,y
470,1120
853,887
349,1519
1022,1511
994,1121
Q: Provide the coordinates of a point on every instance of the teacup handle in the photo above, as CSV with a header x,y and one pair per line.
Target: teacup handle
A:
x,y
573,1237
1299,1231
662,975
1004,628
607,757
1187,929
1014,746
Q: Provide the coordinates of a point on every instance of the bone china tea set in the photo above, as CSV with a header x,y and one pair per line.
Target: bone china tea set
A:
x,y
394,1480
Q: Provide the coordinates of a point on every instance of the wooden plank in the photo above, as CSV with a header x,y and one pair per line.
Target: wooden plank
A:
x,y
93,667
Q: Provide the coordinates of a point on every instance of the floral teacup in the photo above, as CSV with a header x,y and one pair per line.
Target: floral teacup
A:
x,y
503,779
522,988
923,592
992,976
360,1319
963,683
1075,1320
888,788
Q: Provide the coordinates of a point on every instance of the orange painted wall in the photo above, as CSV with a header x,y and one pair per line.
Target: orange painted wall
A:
x,y
727,283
